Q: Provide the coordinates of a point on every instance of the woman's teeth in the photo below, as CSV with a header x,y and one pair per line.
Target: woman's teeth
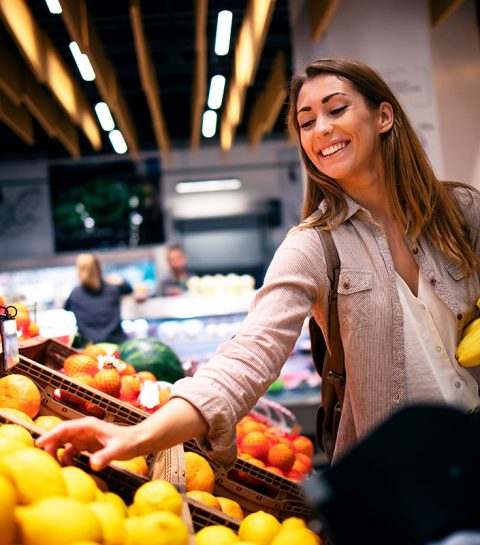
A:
x,y
332,149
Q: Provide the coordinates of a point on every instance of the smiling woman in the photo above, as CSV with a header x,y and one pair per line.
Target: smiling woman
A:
x,y
408,248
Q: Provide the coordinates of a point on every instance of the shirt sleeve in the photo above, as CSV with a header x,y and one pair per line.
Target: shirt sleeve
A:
x,y
240,372
125,288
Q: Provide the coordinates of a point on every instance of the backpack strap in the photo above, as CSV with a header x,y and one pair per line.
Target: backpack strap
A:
x,y
336,372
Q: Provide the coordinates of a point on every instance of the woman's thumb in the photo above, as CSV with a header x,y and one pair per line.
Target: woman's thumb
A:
x,y
102,458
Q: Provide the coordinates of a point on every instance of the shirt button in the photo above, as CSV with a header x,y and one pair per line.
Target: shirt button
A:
x,y
458,384
396,398
459,316
346,285
432,281
415,251
438,348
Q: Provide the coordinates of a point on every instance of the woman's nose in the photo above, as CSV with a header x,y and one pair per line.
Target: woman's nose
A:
x,y
323,126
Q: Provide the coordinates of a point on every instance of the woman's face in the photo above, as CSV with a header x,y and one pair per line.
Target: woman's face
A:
x,y
339,132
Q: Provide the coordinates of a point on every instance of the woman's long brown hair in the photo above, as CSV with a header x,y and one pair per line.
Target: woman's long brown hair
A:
x,y
423,203
89,272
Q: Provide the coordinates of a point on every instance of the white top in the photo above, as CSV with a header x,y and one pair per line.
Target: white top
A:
x,y
433,373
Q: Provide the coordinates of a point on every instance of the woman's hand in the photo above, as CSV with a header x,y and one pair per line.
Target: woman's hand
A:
x,y
105,441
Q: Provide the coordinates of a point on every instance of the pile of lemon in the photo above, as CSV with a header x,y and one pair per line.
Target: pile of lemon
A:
x,y
45,503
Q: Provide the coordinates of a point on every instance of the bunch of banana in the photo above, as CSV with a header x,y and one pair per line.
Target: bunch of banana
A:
x,y
468,350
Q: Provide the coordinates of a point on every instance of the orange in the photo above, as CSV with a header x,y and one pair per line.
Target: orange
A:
x,y
146,375
72,399
252,425
306,460
93,351
230,507
304,445
255,443
275,470
130,388
21,393
200,475
80,363
205,497
32,330
281,456
108,381
94,410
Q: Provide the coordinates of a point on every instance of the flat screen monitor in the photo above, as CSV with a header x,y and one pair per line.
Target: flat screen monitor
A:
x,y
103,205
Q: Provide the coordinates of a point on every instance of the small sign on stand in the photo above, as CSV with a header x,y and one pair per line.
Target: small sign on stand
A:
x,y
8,333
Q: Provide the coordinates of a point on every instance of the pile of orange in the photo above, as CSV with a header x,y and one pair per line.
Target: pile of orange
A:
x,y
269,447
93,367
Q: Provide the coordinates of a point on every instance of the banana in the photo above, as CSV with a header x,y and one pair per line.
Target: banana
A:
x,y
472,326
468,350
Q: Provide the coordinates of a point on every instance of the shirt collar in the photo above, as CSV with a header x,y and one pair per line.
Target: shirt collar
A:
x,y
352,208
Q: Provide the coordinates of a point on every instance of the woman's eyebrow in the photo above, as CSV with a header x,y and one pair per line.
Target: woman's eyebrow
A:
x,y
324,101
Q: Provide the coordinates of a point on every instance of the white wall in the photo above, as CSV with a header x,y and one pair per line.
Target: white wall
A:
x,y
456,69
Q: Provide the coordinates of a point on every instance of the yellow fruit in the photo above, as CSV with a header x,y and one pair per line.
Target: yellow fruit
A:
x,y
111,521
135,465
216,535
7,445
160,528
85,543
21,393
157,495
246,543
230,507
115,500
57,521
8,500
18,414
468,350
101,484
80,485
295,536
35,475
16,432
259,527
293,522
200,475
205,498
47,422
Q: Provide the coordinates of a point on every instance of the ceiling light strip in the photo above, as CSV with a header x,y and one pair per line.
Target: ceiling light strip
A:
x,y
204,186
104,116
54,6
83,62
209,123
118,142
224,29
215,95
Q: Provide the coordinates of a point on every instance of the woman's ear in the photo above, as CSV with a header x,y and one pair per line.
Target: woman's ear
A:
x,y
386,117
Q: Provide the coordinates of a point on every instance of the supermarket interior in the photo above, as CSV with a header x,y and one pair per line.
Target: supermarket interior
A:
x,y
132,134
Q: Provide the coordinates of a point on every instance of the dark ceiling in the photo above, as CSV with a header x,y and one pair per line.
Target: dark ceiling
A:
x,y
169,26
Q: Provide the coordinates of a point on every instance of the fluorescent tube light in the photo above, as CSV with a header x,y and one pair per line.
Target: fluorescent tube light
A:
x,y
224,28
201,186
104,116
209,123
83,62
54,6
215,95
118,142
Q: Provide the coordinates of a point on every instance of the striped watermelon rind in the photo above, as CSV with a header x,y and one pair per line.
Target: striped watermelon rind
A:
x,y
150,354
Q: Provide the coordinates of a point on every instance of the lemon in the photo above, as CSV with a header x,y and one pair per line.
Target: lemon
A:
x,y
138,464
115,500
8,501
80,485
35,475
47,422
160,528
230,507
295,536
157,495
216,535
259,527
8,444
111,521
293,522
57,521
14,431
18,414
84,543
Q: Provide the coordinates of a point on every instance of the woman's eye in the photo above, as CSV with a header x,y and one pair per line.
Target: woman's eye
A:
x,y
336,111
306,124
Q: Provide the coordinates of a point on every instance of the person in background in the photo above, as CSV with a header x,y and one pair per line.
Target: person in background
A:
x,y
96,302
409,248
174,281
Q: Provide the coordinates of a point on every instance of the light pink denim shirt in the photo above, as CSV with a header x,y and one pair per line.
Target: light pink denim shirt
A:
x,y
371,321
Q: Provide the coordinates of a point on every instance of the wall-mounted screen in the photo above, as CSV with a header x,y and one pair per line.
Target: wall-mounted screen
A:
x,y
112,204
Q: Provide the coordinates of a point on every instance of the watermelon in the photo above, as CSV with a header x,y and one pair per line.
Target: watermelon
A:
x,y
150,354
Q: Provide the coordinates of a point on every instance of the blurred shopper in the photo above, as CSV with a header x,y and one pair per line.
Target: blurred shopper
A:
x,y
174,281
96,302
409,249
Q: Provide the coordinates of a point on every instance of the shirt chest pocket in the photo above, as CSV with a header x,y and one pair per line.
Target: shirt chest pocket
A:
x,y
355,304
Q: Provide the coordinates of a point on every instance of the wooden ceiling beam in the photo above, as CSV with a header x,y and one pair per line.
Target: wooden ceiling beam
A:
x,y
82,30
199,95
48,67
320,14
17,118
440,10
269,102
148,78
248,50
